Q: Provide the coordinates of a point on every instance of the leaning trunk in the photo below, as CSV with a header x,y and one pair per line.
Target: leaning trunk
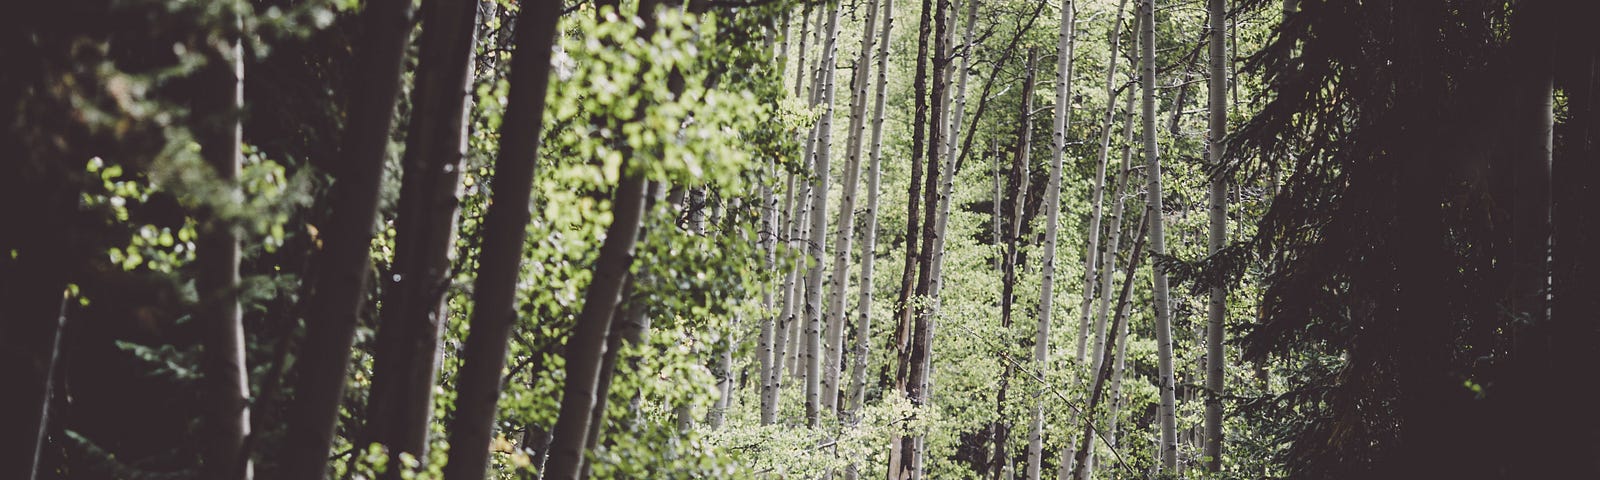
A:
x,y
505,230
586,347
340,289
400,407
1080,460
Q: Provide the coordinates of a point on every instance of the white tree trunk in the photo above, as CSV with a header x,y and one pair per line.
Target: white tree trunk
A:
x,y
1158,245
1052,208
1218,123
1123,181
819,223
869,238
847,205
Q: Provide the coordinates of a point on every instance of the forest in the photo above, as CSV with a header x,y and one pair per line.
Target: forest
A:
x,y
800,239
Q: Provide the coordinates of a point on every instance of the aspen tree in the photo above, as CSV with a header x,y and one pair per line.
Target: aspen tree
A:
x,y
816,247
505,231
1217,102
846,220
1052,205
1015,207
225,375
1153,211
339,291
869,237
406,364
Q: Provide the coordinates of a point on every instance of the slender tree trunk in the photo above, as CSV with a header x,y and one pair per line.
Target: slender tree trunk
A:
x,y
869,237
1153,211
1108,268
770,344
902,448
1104,274
953,149
1052,206
1218,235
1080,461
1016,207
400,406
816,248
227,381
903,306
1122,333
586,348
800,65
340,289
781,337
629,324
847,205
994,155
952,161
505,229
919,355
771,325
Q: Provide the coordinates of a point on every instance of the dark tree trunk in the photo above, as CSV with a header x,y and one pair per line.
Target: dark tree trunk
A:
x,y
406,363
628,326
1015,211
1574,327
902,305
586,348
340,290
505,231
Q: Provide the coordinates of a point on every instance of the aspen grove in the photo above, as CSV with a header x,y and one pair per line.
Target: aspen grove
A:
x,y
800,239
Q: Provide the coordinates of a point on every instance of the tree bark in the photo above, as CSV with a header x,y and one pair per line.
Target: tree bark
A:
x,y
1218,307
770,222
1103,275
919,358
339,293
1052,205
1016,207
505,228
800,66
406,363
901,449
902,307
952,160
847,205
1109,268
816,247
586,348
1080,461
869,238
226,379
771,326
785,319
629,324
1153,211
